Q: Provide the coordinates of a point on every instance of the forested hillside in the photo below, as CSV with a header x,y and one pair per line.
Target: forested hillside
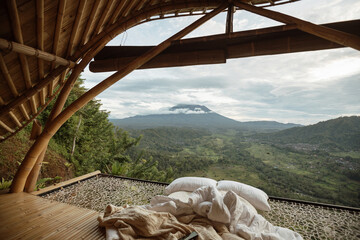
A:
x,y
85,143
340,134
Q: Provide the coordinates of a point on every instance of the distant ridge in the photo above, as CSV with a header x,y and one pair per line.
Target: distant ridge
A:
x,y
342,133
196,116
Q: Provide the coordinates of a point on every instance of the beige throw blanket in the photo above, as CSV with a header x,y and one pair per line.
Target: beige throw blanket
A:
x,y
138,223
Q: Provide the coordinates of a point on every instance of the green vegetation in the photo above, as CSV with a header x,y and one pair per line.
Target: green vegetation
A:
x,y
302,172
86,142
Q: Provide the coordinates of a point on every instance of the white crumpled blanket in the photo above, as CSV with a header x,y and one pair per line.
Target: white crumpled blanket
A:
x,y
207,212
227,209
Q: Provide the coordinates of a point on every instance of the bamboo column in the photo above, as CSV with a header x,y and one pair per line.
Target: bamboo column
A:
x,y
345,39
42,141
31,180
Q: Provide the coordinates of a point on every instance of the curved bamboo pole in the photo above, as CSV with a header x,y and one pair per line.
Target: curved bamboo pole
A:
x,y
342,38
34,152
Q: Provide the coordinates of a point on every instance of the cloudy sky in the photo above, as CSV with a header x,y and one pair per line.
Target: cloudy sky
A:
x,y
301,88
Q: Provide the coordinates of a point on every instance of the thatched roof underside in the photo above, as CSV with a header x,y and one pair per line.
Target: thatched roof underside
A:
x,y
42,40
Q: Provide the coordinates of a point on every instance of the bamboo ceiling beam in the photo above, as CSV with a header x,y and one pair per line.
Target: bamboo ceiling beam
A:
x,y
42,141
40,43
105,12
333,35
1,101
117,11
129,7
8,77
31,92
75,28
29,51
33,116
16,120
24,112
140,5
15,20
59,22
40,33
58,27
90,22
6,127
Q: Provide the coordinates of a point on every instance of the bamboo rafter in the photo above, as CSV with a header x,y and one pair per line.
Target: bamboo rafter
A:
x,y
6,127
117,11
129,7
102,17
40,33
22,109
345,39
1,101
30,92
29,51
40,43
90,22
14,15
24,112
16,120
59,23
7,77
75,28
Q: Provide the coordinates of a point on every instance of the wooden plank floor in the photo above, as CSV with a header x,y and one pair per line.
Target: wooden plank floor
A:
x,y
25,216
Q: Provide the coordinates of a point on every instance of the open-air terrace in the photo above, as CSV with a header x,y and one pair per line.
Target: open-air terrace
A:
x,y
70,209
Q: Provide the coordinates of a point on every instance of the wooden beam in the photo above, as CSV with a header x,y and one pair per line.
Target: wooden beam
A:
x,y
15,20
15,119
65,183
229,19
103,16
75,28
42,141
20,100
129,7
336,36
29,51
40,34
59,21
8,77
90,22
6,127
23,111
140,5
117,11
211,49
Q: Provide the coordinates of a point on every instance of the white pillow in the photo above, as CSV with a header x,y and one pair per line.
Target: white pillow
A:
x,y
189,184
255,196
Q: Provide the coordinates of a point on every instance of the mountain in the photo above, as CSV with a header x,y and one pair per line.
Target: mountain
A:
x,y
341,133
195,116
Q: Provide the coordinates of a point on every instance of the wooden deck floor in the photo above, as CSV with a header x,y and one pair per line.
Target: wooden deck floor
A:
x,y
25,216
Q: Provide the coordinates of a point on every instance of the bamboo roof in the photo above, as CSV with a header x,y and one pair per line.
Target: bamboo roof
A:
x,y
43,40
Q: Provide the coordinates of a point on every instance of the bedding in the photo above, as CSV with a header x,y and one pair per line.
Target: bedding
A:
x,y
189,184
208,212
255,196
